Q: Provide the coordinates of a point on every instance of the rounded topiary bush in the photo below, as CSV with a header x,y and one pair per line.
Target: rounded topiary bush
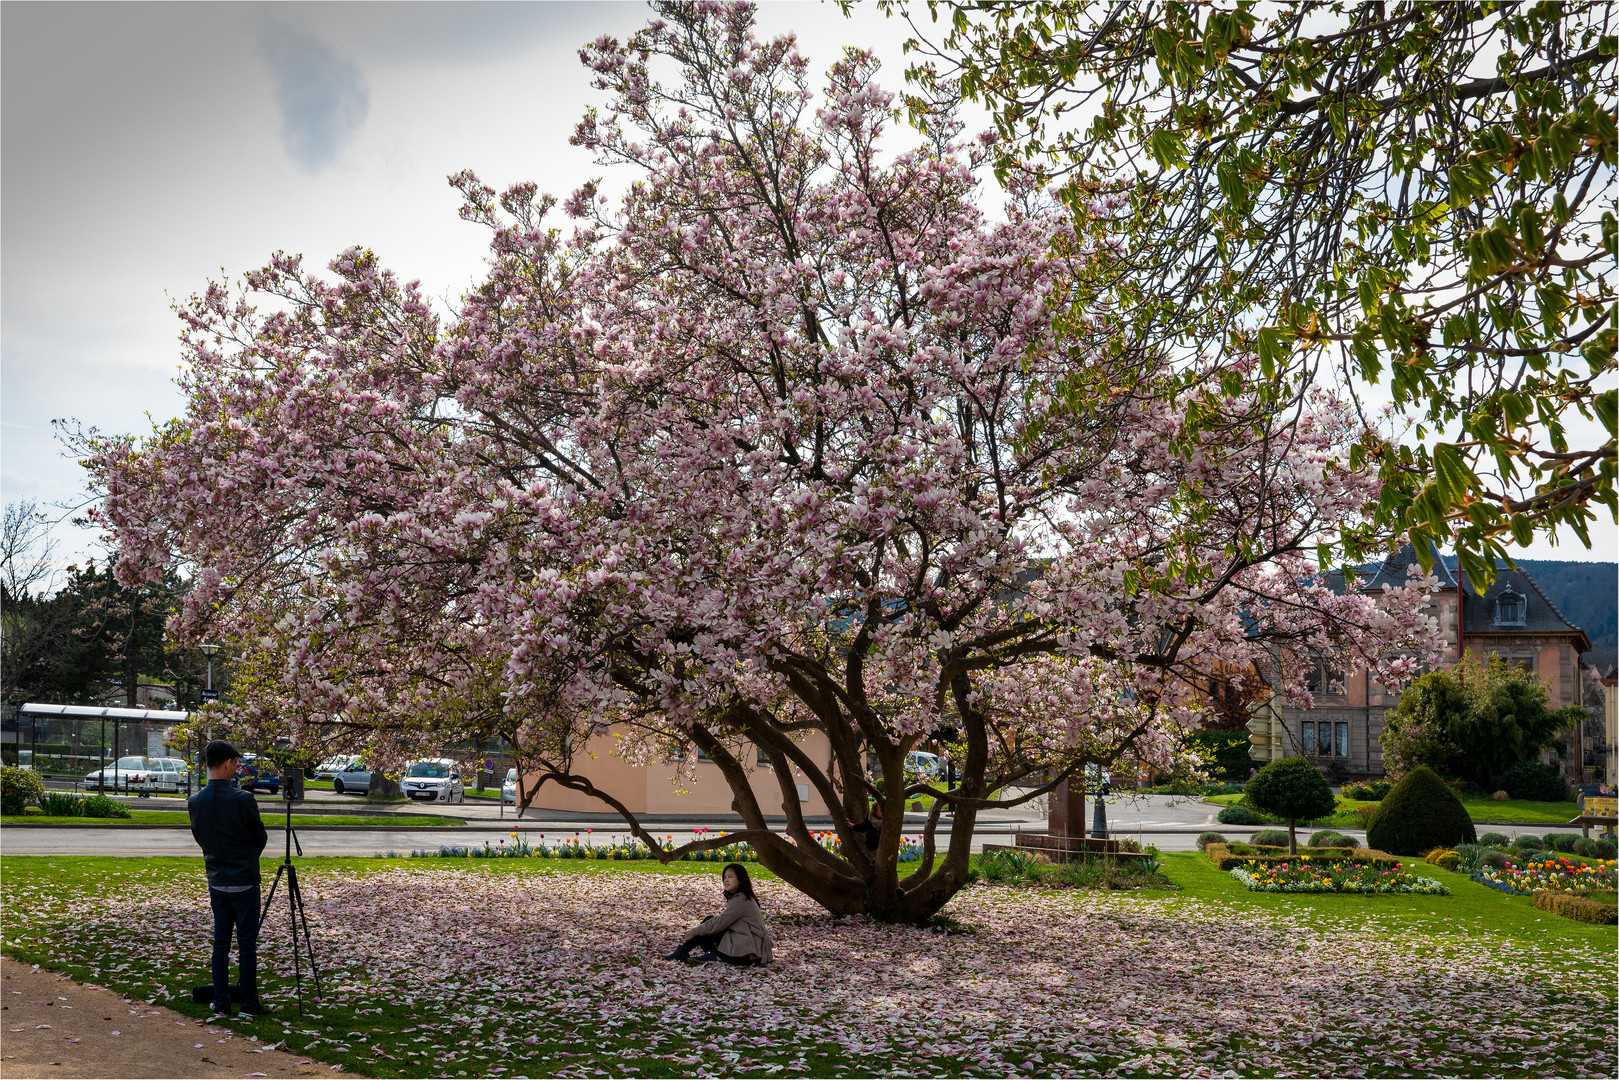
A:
x,y
1535,781
1602,849
1292,789
1419,813
1495,839
1238,814
18,788
1332,838
1271,838
1207,838
1562,841
1529,843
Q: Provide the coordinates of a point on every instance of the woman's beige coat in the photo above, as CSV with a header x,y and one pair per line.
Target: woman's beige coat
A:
x,y
743,927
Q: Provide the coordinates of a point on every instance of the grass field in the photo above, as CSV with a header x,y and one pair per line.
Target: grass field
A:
x,y
180,817
1513,810
548,967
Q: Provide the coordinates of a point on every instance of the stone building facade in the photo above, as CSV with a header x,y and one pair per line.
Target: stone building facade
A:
x,y
1511,618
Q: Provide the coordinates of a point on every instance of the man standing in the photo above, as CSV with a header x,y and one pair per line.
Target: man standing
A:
x,y
226,824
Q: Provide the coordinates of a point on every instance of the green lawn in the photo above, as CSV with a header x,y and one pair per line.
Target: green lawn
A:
x,y
1513,810
1471,913
455,977
180,817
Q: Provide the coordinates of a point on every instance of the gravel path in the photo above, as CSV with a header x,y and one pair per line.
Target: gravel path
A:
x,y
56,1027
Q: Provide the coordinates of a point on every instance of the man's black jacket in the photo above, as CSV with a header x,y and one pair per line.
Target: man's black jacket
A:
x,y
226,823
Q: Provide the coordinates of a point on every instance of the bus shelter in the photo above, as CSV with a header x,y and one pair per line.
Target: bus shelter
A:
x,y
69,741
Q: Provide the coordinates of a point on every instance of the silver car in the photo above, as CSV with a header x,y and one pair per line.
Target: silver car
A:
x,y
167,774
354,777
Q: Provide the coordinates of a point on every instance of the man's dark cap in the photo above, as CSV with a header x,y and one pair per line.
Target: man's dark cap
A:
x,y
218,752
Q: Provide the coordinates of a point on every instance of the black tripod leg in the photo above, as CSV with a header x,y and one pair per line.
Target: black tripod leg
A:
x,y
297,895
292,919
265,911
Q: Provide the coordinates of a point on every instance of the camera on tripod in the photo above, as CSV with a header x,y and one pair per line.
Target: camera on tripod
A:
x,y
292,784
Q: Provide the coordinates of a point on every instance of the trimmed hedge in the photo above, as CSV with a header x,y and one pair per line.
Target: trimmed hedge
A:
x,y
1579,908
1207,838
1270,838
1332,838
1419,813
1231,856
1238,814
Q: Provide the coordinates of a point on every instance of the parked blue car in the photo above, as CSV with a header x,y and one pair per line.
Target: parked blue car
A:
x,y
257,772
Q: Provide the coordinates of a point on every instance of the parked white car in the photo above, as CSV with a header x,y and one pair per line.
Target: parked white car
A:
x,y
435,780
508,790
125,774
328,769
924,764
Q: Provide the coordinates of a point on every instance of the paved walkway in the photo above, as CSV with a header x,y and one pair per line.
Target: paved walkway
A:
x,y
56,1027
1169,822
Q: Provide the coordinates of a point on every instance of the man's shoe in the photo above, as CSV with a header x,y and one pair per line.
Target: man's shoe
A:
x,y
706,958
676,956
257,1008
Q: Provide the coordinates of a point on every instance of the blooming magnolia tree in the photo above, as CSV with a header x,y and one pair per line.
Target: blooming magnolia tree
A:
x,y
792,440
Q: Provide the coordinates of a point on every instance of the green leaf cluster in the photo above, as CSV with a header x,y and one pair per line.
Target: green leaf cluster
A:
x,y
1473,721
1418,195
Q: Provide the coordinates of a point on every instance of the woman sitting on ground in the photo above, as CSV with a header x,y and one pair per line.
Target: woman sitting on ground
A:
x,y
736,935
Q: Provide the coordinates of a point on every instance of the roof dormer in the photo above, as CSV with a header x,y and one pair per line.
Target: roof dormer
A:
x,y
1511,608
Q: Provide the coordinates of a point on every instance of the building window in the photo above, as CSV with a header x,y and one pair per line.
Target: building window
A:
x,y
1323,678
763,759
1510,609
1325,739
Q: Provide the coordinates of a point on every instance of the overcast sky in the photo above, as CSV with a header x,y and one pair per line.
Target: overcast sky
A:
x,y
149,147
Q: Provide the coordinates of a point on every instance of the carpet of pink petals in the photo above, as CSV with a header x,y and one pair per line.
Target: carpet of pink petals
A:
x,y
553,972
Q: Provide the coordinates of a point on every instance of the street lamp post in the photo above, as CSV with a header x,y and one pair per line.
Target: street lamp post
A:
x,y
208,650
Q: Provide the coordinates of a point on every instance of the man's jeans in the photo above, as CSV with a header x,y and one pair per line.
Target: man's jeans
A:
x,y
238,910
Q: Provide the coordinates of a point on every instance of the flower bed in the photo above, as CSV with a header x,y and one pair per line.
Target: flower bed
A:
x,y
1553,875
1333,876
1230,856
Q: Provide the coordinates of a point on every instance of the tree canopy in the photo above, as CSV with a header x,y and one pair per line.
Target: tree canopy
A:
x,y
1417,194
1473,721
1293,789
792,440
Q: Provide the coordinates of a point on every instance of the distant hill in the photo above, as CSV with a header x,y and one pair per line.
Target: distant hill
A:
x,y
1587,593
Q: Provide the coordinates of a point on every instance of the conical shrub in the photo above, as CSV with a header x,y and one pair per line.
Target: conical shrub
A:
x,y
1419,813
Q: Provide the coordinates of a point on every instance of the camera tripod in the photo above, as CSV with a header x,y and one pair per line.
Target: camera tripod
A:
x,y
295,911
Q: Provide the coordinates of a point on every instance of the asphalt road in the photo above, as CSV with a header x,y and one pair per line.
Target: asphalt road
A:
x,y
1169,822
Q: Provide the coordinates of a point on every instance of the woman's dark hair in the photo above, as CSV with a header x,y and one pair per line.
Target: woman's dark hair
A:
x,y
744,884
